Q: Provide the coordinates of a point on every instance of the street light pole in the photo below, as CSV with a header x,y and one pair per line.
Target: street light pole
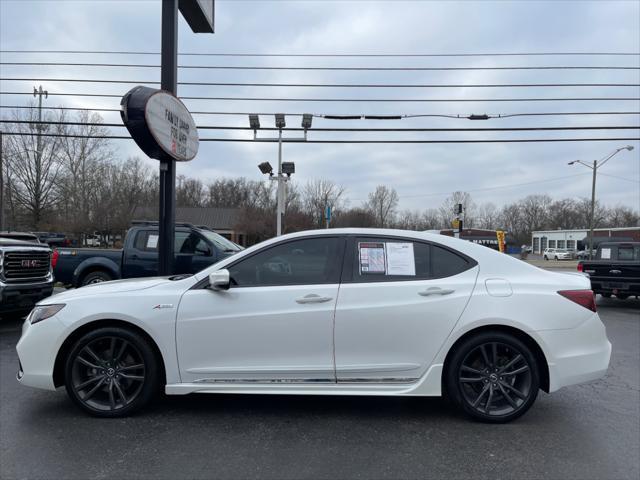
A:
x,y
280,202
594,167
254,123
593,209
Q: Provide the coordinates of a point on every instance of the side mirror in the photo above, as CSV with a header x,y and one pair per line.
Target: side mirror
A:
x,y
219,280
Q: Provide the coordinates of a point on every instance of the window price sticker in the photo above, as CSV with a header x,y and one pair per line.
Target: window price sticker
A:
x,y
372,257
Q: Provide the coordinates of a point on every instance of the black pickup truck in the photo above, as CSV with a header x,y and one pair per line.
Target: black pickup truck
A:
x,y
615,270
195,248
25,273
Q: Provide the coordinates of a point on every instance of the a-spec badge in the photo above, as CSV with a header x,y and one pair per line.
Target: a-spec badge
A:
x,y
163,305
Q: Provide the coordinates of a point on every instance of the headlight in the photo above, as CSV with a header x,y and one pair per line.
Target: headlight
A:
x,y
42,312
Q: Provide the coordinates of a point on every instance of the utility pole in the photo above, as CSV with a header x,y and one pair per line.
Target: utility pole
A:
x,y
168,82
594,167
39,92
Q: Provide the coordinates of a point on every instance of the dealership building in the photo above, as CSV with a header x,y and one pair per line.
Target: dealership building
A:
x,y
578,239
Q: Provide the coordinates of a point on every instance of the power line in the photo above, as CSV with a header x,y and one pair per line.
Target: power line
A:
x,y
325,68
261,140
337,116
511,185
322,129
382,55
372,100
616,176
327,85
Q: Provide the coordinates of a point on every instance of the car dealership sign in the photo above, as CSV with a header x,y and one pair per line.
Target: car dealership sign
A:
x,y
160,124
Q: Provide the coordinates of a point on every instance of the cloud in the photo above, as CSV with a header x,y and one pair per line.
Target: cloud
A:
x,y
367,27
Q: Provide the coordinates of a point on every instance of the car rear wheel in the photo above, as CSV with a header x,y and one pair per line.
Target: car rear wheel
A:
x,y
111,372
546,258
493,377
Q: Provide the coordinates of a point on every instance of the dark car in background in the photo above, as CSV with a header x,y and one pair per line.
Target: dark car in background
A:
x,y
196,247
615,269
25,274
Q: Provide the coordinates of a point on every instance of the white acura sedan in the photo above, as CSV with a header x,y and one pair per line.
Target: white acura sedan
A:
x,y
333,312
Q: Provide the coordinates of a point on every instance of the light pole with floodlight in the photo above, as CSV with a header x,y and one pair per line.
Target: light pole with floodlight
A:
x,y
596,164
284,169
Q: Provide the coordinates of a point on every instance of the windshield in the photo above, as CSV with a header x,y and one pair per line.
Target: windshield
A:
x,y
220,242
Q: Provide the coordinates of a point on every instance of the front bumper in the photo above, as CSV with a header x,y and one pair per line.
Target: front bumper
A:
x,y
37,350
576,355
20,297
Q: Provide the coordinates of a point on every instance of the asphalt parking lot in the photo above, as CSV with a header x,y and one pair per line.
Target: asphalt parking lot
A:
x,y
589,431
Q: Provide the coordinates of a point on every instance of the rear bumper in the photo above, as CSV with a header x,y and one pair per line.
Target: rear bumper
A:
x,y
613,287
577,355
17,297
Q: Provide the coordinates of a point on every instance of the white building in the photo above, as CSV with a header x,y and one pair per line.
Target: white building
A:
x,y
577,239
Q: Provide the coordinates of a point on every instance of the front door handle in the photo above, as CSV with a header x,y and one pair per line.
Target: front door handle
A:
x,y
313,298
436,291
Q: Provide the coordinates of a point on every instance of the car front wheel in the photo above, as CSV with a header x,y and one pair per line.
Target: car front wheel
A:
x,y
111,372
493,377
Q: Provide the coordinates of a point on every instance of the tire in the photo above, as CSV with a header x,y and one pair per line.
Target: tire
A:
x,y
490,389
98,276
111,372
546,258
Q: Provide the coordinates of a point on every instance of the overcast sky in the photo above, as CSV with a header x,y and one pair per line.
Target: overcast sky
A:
x,y
423,175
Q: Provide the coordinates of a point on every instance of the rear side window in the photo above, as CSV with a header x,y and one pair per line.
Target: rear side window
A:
x,y
445,263
394,259
627,253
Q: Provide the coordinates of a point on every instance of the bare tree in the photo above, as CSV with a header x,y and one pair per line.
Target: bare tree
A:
x,y
319,194
487,216
447,209
190,192
535,212
382,204
81,157
34,161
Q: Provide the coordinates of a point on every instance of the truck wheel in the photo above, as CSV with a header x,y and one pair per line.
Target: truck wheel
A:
x,y
95,277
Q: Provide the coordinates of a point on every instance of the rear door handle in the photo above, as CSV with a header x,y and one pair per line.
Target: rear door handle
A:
x,y
436,291
313,298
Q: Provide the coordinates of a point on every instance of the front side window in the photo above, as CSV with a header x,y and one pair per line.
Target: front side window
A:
x,y
310,261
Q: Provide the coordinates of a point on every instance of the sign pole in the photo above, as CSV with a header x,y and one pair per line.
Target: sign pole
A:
x,y
169,82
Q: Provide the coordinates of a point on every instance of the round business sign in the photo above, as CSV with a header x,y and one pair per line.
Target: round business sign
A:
x,y
160,124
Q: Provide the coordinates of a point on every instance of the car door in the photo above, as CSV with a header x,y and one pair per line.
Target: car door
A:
x,y
396,308
275,322
140,257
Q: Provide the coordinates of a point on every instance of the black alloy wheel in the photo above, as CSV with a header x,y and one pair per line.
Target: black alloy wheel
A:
x,y
111,372
494,377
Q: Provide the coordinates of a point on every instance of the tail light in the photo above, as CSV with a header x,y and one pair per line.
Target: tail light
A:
x,y
585,298
54,258
580,267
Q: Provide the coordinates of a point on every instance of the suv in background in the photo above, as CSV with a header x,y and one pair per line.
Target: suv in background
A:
x,y
25,274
